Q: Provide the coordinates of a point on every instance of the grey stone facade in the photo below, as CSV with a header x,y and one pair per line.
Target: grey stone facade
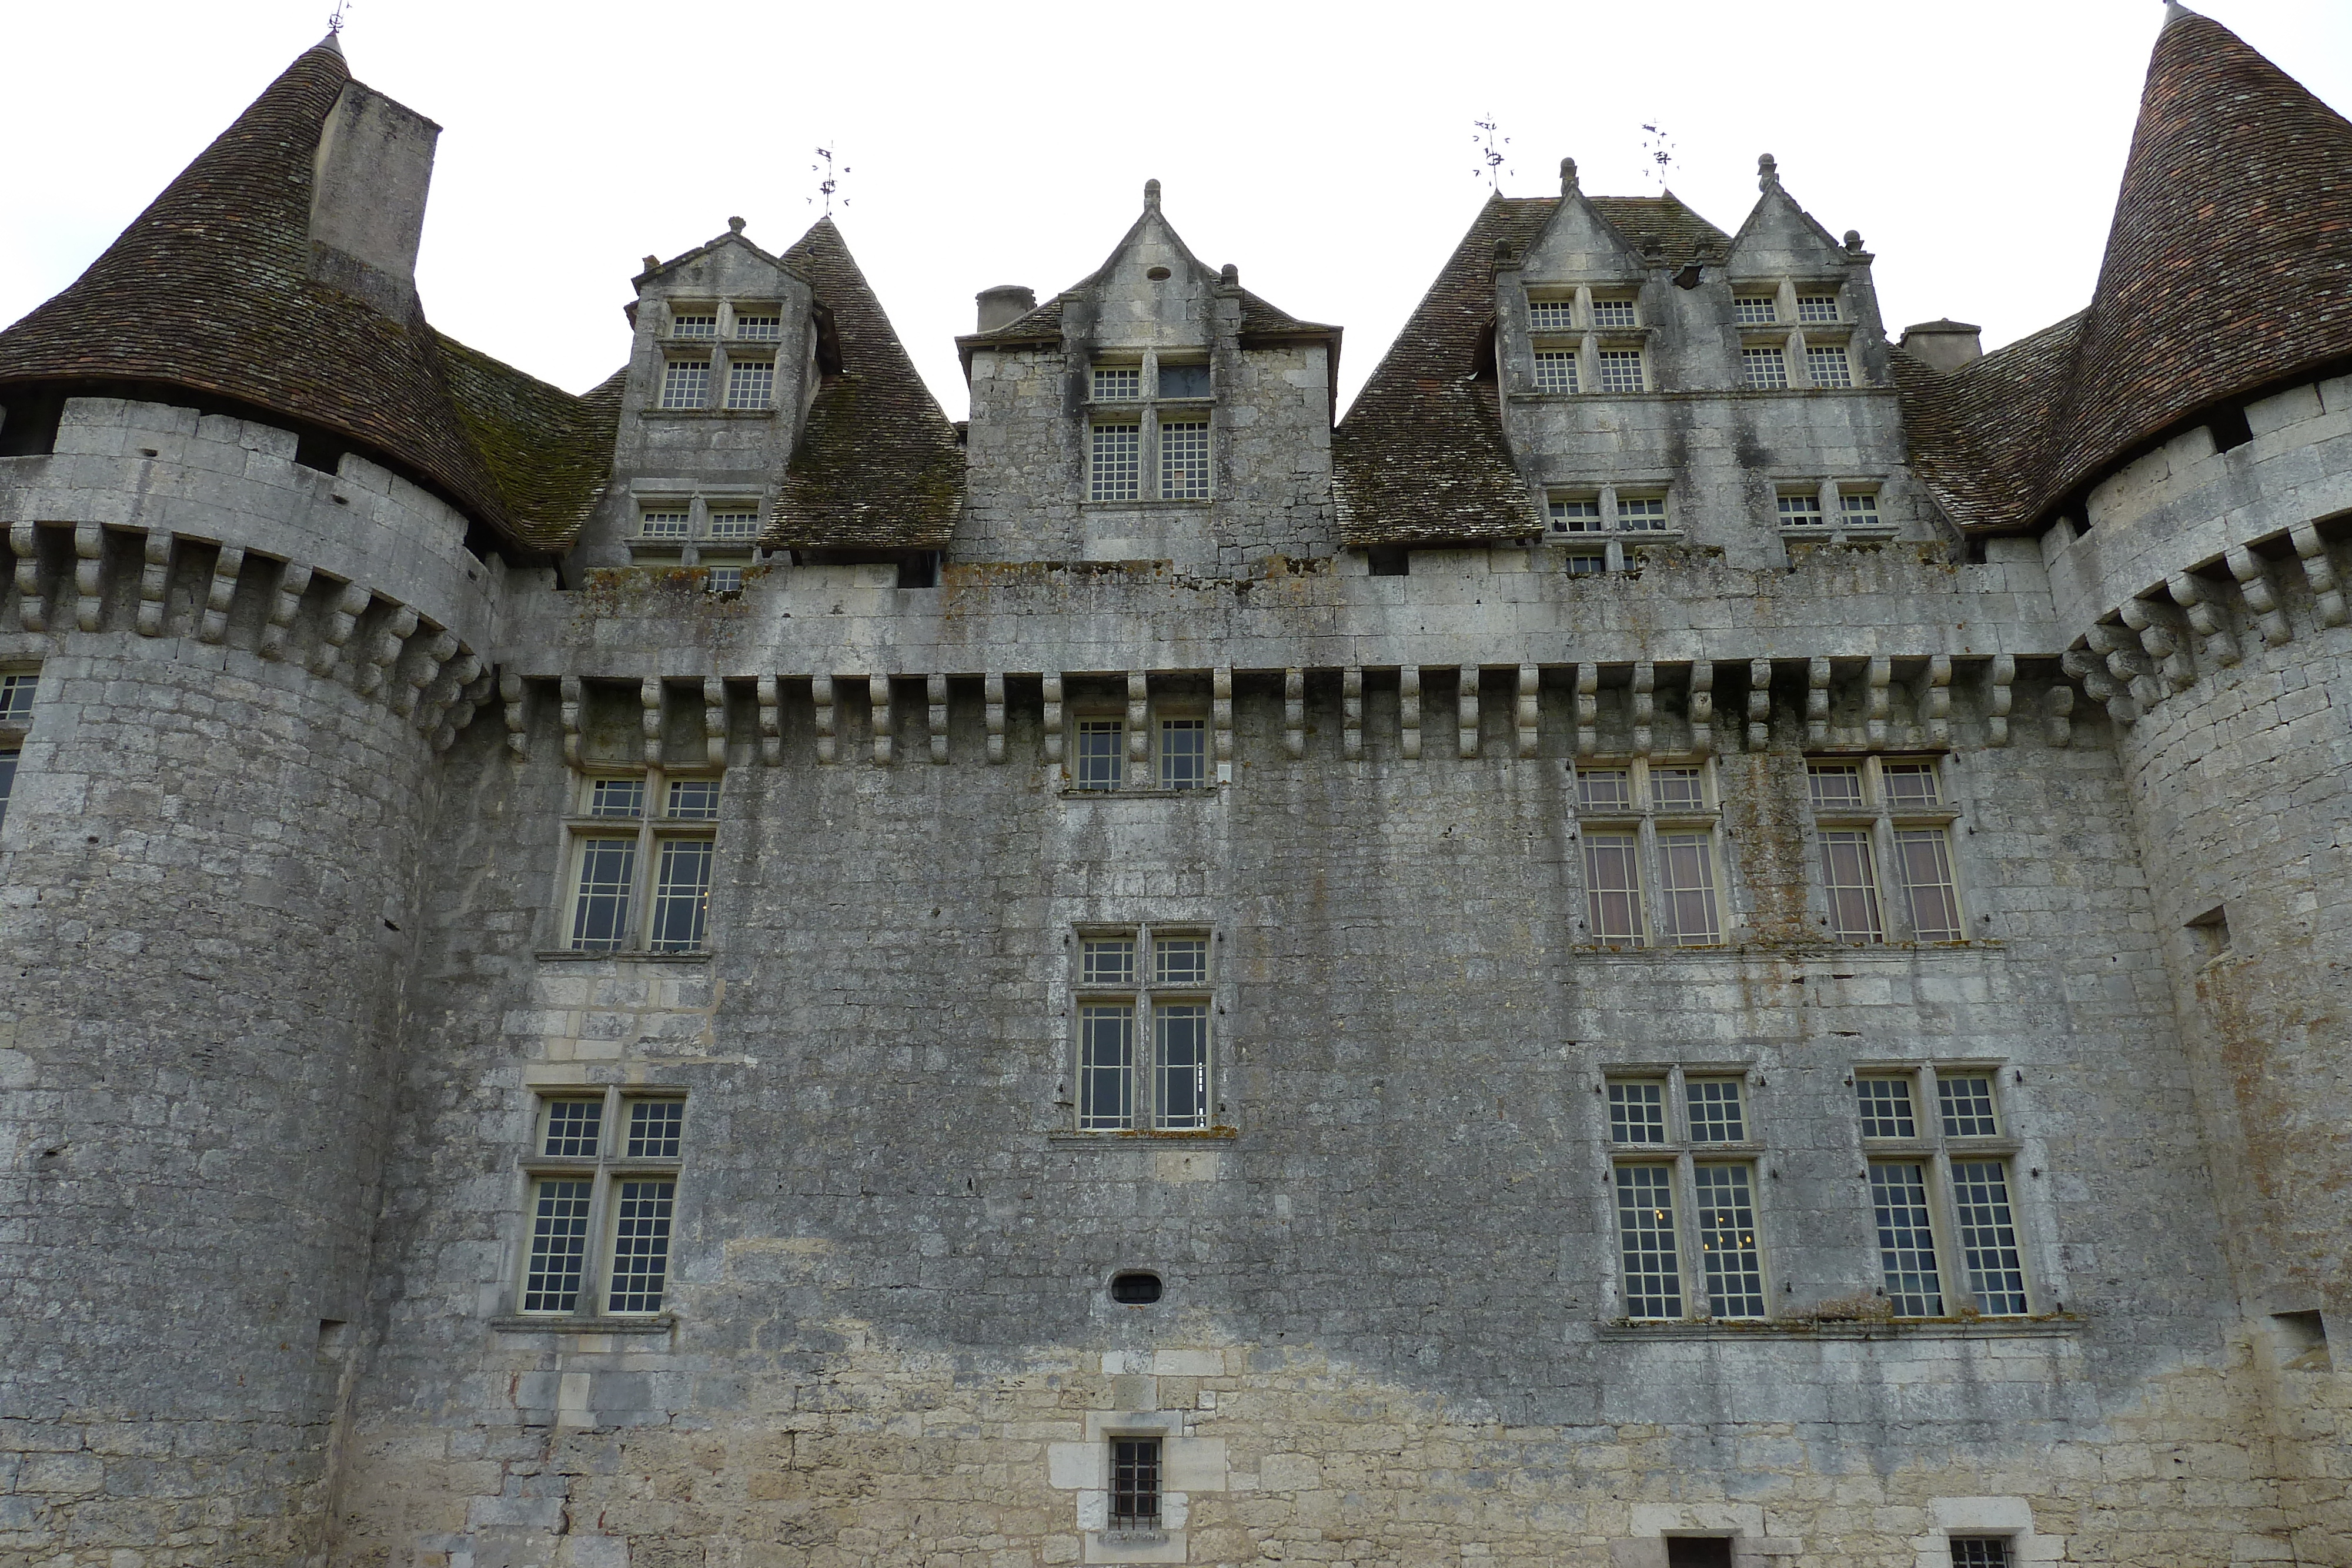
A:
x,y
291,884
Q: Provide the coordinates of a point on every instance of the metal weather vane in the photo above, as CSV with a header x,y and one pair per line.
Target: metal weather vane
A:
x,y
832,181
1491,156
1658,148
335,18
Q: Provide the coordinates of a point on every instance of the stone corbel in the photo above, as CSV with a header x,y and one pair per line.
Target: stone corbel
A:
x,y
470,697
714,722
993,700
1701,709
650,718
2206,617
2057,708
1998,677
1294,714
1588,709
935,695
90,575
221,594
771,728
1221,720
2155,626
1530,710
1935,700
827,742
385,649
2091,670
2319,570
570,689
1759,703
1351,711
1465,713
1881,676
878,696
1138,718
448,688
1817,702
1645,704
293,582
1409,711
1054,725
155,586
24,541
511,692
2127,664
334,632
2254,583
410,689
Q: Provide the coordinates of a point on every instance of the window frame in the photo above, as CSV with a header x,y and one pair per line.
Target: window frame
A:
x,y
1684,1154
1938,1152
649,831
604,1173
1884,821
1140,769
19,688
1642,816
1148,409
1148,1000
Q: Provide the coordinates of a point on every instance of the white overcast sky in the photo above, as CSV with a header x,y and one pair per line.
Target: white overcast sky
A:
x,y
1326,149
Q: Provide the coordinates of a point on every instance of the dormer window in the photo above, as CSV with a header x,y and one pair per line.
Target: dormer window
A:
x,y
1184,460
759,326
685,383
1621,369
1817,308
1577,515
1150,422
1114,460
1556,370
1607,313
1828,365
735,525
664,525
1756,310
1764,369
698,321
1117,383
751,384
1553,315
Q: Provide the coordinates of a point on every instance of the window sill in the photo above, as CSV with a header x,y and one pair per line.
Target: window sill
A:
x,y
1128,1536
1073,792
661,1322
2047,1327
1147,504
1129,1136
573,955
1831,534
706,413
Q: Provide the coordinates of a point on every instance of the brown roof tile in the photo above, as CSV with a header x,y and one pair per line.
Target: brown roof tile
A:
x,y
550,453
1976,434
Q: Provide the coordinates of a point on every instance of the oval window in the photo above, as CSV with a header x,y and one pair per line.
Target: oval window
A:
x,y
1157,274
1135,1288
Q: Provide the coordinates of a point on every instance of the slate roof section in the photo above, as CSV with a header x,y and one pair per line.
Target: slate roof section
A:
x,y
209,290
1977,434
2229,264
877,466
1676,232
550,453
1260,319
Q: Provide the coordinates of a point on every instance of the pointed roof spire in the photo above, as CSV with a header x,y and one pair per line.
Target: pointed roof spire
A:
x,y
2229,264
2174,11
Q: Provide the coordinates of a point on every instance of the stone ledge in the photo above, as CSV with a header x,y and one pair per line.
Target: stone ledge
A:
x,y
512,1324
572,956
1933,1328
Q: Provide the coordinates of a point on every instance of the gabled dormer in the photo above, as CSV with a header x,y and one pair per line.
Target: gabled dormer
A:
x,y
1571,315
1154,410
1804,315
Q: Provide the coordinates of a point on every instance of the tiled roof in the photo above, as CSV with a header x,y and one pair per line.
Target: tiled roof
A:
x,y
1663,222
2229,265
1260,319
879,465
1976,434
209,290
550,453
1420,459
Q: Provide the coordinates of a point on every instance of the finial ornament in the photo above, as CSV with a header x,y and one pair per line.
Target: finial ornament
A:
x,y
1151,196
734,225
830,182
1229,275
1854,242
335,18
2174,11
1768,172
1568,176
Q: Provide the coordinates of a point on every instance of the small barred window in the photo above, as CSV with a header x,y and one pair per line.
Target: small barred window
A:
x,y
1117,383
1858,508
1615,313
1621,370
1575,516
1817,308
663,525
1827,364
17,700
1887,1108
1642,513
1756,310
1184,460
1554,372
1553,315
759,327
1637,1111
1800,510
685,383
734,525
694,324
1764,370
751,384
1115,462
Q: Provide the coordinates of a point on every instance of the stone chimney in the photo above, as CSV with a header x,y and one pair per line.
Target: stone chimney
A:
x,y
368,181
1945,345
1004,304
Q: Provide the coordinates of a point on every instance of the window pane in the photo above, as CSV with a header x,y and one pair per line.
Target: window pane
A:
x,y
1836,786
1117,383
1727,1240
1764,370
559,1242
1687,860
1106,1066
1906,1245
1718,1113
681,897
695,324
573,1128
1575,516
759,327
1621,370
722,580
1887,1108
1604,789
1102,753
1184,380
751,384
1108,961
1909,784
1637,1111
1800,510
8,780
1988,1235
1641,513
600,911
1582,565
1182,1059
1966,1100
1184,460
1924,861
1613,883
641,1245
656,1127
17,698
685,383
695,799
1828,366
1115,462
1184,753
1677,790
1613,313
1858,510
1980,1552
1552,315
1652,1281
734,525
1180,961
1817,308
1554,372
1135,1483
1851,883
1755,309
617,796
663,525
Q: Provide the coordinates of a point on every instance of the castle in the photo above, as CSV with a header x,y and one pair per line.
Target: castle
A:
x,y
1693,937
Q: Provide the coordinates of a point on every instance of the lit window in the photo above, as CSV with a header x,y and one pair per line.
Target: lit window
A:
x,y
1827,364
1907,1240
722,580
1117,383
1686,891
1621,370
17,700
633,1260
1677,790
1134,1483
1637,1111
1575,516
1102,753
1980,1552
600,909
1184,754
751,384
1965,1100
734,525
1988,1236
763,327
1725,1217
1923,859
1114,462
1184,380
1836,786
1858,508
700,323
1651,1278
1169,987
1553,315
1764,370
1851,881
1612,883
1817,308
641,1245
1615,313
1555,370
1755,309
1583,563
656,1127
1719,1111
1184,460
1641,514
1886,1105
575,1128
663,525
685,383
1604,789
1801,510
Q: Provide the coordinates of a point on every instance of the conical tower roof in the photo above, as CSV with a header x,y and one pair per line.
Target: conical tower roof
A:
x,y
209,291
2229,264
